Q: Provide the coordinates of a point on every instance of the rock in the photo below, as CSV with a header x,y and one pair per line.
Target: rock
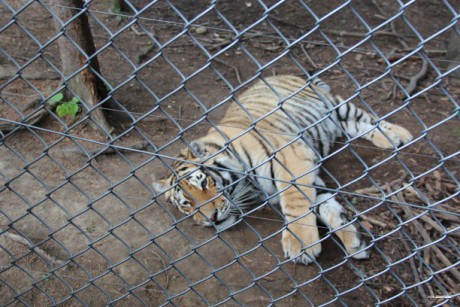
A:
x,y
201,30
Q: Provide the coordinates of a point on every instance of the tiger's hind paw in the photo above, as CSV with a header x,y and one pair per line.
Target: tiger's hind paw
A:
x,y
359,252
390,134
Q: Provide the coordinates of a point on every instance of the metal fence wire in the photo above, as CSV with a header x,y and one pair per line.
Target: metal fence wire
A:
x,y
80,222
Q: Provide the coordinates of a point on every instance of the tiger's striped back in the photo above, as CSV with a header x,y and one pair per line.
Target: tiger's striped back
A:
x,y
285,107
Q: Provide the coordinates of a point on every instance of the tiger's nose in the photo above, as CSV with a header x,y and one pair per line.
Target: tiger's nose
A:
x,y
214,216
204,185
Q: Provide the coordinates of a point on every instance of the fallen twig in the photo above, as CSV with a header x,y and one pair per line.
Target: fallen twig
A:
x,y
164,267
361,34
417,279
381,71
179,115
39,251
369,190
428,242
313,64
432,223
373,221
400,37
417,77
231,66
400,53
445,279
382,12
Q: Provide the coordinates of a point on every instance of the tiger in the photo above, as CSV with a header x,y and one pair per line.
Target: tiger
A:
x,y
267,149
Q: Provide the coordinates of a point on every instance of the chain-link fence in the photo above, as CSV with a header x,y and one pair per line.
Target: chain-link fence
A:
x,y
80,222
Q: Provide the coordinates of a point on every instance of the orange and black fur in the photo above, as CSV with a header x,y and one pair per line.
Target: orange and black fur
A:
x,y
267,148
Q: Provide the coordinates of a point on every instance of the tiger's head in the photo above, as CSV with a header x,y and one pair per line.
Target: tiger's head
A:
x,y
204,190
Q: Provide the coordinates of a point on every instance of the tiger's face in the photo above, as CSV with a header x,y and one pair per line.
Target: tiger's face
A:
x,y
193,190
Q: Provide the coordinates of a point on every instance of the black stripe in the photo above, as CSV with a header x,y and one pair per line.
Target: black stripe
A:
x,y
219,165
248,156
321,191
358,118
348,111
217,147
268,154
353,111
181,168
280,119
233,176
216,173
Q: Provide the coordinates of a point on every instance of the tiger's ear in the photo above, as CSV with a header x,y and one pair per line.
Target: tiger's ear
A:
x,y
197,147
160,186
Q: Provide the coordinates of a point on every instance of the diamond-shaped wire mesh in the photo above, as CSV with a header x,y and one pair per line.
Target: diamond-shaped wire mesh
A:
x,y
80,222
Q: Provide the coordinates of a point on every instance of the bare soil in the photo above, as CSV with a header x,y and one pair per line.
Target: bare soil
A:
x,y
108,239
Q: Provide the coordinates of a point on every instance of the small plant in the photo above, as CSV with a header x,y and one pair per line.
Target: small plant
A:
x,y
65,108
56,99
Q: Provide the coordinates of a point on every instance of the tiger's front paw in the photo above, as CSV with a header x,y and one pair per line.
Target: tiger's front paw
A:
x,y
295,250
403,134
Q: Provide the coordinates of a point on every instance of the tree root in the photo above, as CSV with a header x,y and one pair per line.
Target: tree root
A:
x,y
31,120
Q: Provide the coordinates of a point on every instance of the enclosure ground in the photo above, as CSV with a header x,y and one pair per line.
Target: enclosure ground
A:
x,y
99,222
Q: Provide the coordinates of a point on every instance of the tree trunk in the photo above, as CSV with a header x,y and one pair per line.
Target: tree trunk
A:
x,y
85,83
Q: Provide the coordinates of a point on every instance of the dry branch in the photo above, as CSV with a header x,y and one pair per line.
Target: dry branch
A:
x,y
370,190
361,34
313,64
237,73
419,224
417,77
415,272
373,221
39,251
429,243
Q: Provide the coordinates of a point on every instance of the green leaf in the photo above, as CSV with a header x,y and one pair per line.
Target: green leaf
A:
x,y
55,99
67,109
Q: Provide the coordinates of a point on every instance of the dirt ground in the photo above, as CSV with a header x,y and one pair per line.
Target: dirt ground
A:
x,y
103,237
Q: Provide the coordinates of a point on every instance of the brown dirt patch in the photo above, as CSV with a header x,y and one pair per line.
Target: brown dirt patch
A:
x,y
119,245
